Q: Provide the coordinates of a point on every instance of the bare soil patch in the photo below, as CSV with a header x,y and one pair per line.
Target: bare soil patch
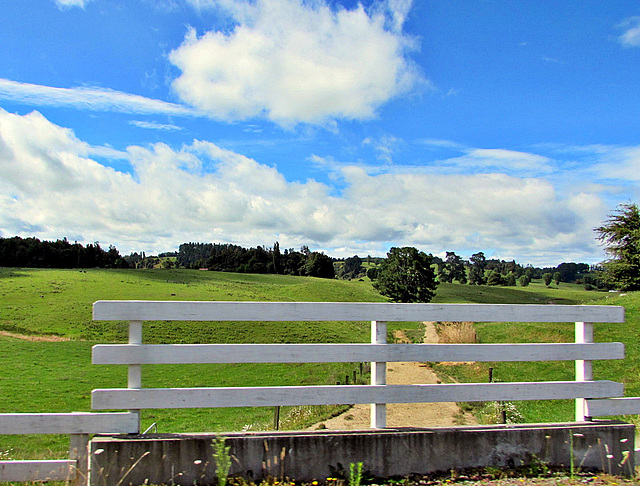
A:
x,y
24,337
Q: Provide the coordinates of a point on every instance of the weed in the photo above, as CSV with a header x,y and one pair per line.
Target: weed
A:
x,y
494,472
355,474
222,458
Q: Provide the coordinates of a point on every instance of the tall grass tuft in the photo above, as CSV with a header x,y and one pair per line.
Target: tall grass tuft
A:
x,y
456,332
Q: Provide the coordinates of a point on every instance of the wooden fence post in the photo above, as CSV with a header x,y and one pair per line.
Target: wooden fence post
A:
x,y
584,370
79,452
134,374
378,375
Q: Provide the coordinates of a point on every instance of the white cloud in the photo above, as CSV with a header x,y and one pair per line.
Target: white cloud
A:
x,y
50,187
619,163
93,99
62,4
385,146
155,125
501,160
631,35
297,62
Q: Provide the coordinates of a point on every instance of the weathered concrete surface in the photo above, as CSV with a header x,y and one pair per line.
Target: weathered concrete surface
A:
x,y
188,458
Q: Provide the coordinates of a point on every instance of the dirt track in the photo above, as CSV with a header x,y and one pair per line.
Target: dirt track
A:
x,y
405,414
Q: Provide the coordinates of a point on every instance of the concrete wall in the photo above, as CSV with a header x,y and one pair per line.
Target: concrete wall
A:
x,y
188,458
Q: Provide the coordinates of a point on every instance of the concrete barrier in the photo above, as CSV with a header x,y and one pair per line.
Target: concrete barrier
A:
x,y
187,459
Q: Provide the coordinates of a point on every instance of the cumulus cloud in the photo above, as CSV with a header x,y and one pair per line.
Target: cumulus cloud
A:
x,y
297,62
51,187
93,99
631,35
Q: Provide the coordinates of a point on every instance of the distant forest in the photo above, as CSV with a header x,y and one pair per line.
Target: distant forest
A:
x,y
233,258
225,257
31,252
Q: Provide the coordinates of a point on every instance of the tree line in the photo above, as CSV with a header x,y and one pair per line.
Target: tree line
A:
x,y
620,234
478,270
31,252
233,258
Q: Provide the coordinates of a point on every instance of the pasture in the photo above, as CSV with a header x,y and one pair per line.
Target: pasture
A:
x,y
46,365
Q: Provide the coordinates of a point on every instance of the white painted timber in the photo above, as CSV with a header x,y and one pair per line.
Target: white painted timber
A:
x,y
344,353
349,311
325,395
68,423
378,411
613,406
584,367
59,470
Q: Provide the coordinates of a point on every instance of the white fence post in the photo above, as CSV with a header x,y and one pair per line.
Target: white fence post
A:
x,y
378,375
134,373
584,370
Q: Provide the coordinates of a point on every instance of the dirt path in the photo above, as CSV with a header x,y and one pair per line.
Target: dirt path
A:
x,y
405,414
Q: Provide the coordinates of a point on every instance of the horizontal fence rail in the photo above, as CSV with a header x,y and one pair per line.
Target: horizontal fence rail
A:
x,y
42,470
140,310
344,353
334,394
613,406
68,423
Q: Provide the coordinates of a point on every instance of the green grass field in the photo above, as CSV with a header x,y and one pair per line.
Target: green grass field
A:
x,y
58,376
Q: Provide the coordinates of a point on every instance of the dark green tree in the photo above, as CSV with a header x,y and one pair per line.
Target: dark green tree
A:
x,y
547,277
406,276
319,265
510,279
452,268
495,278
557,277
476,272
524,280
621,236
352,268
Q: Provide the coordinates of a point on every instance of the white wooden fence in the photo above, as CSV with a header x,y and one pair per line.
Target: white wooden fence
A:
x,y
592,397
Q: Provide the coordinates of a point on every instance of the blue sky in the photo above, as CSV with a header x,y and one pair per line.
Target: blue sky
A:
x,y
511,128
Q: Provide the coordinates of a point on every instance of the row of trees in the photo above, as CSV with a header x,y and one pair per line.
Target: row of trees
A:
x,y
233,258
31,252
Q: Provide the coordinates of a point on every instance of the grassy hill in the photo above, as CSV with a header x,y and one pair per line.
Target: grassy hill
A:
x,y
57,376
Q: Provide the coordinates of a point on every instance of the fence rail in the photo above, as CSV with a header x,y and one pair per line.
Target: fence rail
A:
x,y
144,310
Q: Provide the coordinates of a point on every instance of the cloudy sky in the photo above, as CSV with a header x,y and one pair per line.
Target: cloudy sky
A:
x,y
511,128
